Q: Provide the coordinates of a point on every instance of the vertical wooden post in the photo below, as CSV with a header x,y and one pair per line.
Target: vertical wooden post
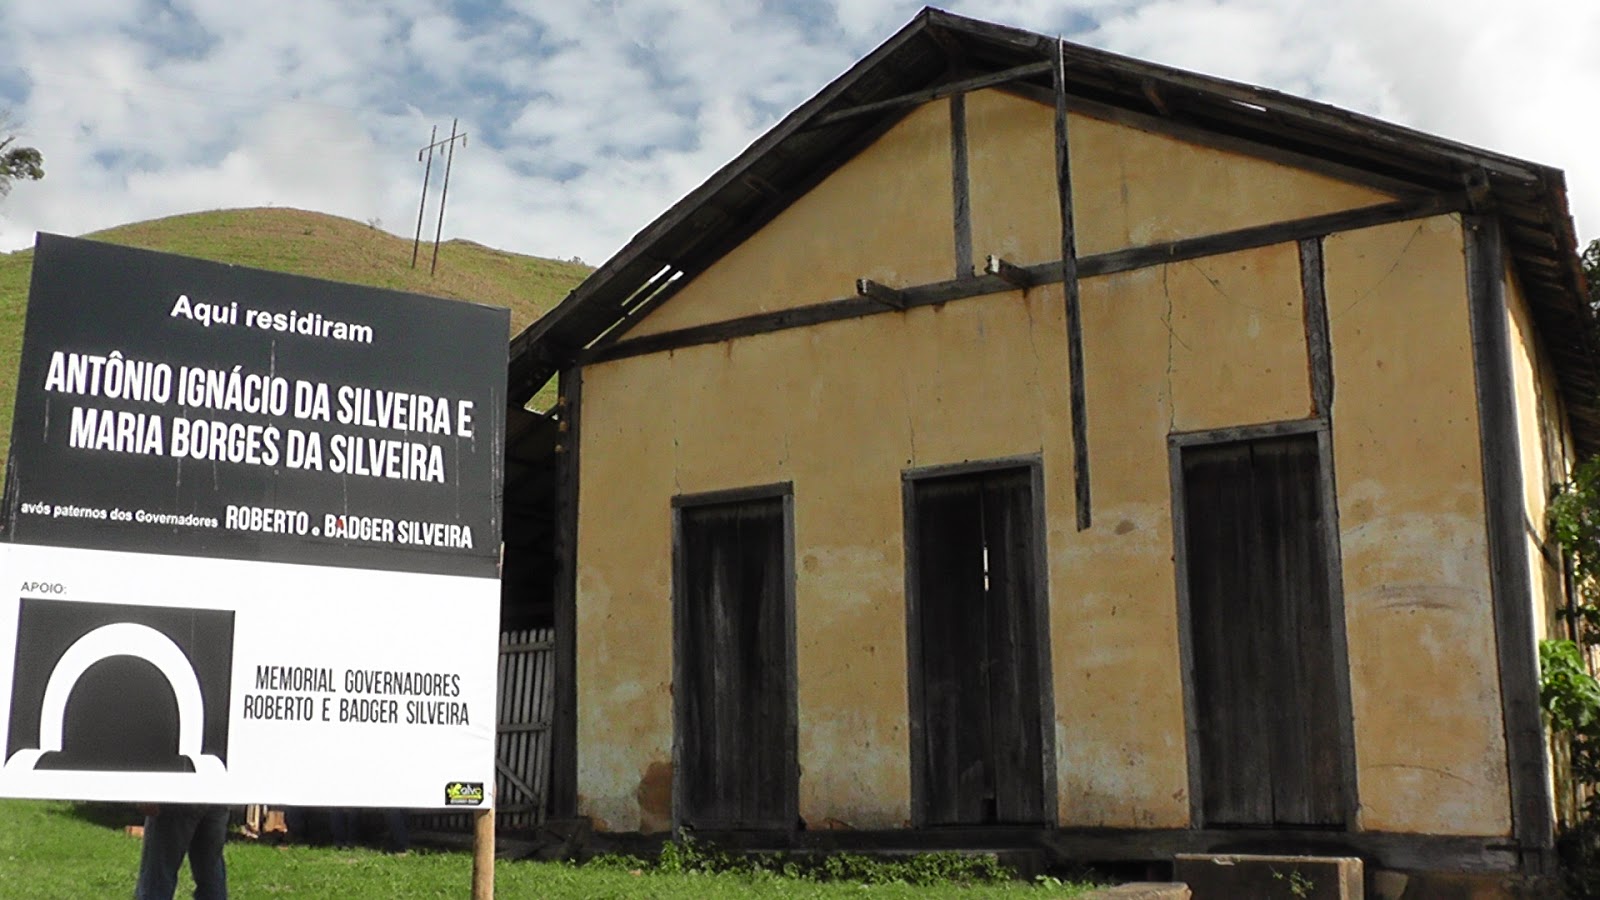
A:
x,y
483,854
564,731
1509,580
1069,287
959,185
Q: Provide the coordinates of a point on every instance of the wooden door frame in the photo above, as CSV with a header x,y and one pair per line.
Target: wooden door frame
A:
x,y
1034,465
1328,493
784,491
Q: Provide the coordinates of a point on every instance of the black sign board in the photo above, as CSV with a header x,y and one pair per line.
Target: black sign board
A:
x,y
176,406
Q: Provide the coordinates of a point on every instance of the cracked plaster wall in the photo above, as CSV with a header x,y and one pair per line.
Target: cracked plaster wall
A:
x,y
842,408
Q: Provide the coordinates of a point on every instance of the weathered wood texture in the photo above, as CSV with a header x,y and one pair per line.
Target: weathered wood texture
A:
x,y
525,686
1077,401
951,89
1089,266
1265,692
1509,582
564,772
734,693
979,752
960,186
1319,347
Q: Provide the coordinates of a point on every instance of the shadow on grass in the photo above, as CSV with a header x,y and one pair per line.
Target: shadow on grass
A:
x,y
115,816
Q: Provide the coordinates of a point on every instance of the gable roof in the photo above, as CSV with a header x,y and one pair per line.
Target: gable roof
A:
x,y
939,53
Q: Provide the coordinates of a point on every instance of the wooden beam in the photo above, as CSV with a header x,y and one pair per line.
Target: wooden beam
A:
x,y
564,735
960,185
704,257
1319,349
644,301
1152,92
1088,266
483,854
888,296
1512,597
1009,273
934,93
1069,287
1273,233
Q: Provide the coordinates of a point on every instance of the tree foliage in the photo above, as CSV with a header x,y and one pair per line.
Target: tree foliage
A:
x,y
16,161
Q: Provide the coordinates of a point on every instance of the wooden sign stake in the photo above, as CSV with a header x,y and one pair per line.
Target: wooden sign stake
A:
x,y
483,855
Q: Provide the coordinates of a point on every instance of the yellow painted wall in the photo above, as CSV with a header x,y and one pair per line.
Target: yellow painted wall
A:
x,y
1193,345
1543,450
842,409
1541,444
1430,748
887,214
1129,187
832,412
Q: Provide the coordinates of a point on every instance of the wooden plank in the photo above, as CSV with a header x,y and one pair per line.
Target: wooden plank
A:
x,y
644,301
1185,615
564,736
888,296
1233,720
960,186
953,713
522,727
1014,593
1089,266
1339,643
526,646
544,711
1319,348
948,89
733,685
1272,233
1308,768
1257,635
1011,274
1508,561
1245,432
1077,401
982,747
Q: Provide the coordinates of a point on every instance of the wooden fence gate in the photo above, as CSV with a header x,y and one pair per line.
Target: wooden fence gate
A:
x,y
526,700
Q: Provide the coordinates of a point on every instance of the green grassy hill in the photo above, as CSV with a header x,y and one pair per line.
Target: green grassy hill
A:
x,y
314,244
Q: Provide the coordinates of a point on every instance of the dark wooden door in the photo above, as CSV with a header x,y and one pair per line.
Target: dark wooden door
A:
x,y
734,695
980,745
1266,709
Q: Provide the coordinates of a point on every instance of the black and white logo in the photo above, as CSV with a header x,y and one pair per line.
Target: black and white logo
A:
x,y
113,687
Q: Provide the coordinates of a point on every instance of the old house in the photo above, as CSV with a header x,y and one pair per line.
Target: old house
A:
x,y
1023,443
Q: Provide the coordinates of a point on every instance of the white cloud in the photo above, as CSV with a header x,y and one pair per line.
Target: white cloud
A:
x,y
587,118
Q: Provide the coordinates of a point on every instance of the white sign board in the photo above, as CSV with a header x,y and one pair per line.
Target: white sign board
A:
x,y
253,528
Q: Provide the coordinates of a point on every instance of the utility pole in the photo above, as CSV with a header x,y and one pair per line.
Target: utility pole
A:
x,y
444,193
450,154
416,243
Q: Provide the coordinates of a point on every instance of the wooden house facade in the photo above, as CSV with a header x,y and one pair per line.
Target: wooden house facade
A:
x,y
1022,443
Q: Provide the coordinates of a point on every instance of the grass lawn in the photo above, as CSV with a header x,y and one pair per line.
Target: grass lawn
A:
x,y
49,851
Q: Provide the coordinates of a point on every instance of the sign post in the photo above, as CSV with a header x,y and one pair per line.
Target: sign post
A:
x,y
251,534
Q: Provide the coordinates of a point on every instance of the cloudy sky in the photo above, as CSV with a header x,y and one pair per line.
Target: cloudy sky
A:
x,y
587,118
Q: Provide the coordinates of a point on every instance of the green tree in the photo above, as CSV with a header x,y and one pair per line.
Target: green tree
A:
x,y
16,161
